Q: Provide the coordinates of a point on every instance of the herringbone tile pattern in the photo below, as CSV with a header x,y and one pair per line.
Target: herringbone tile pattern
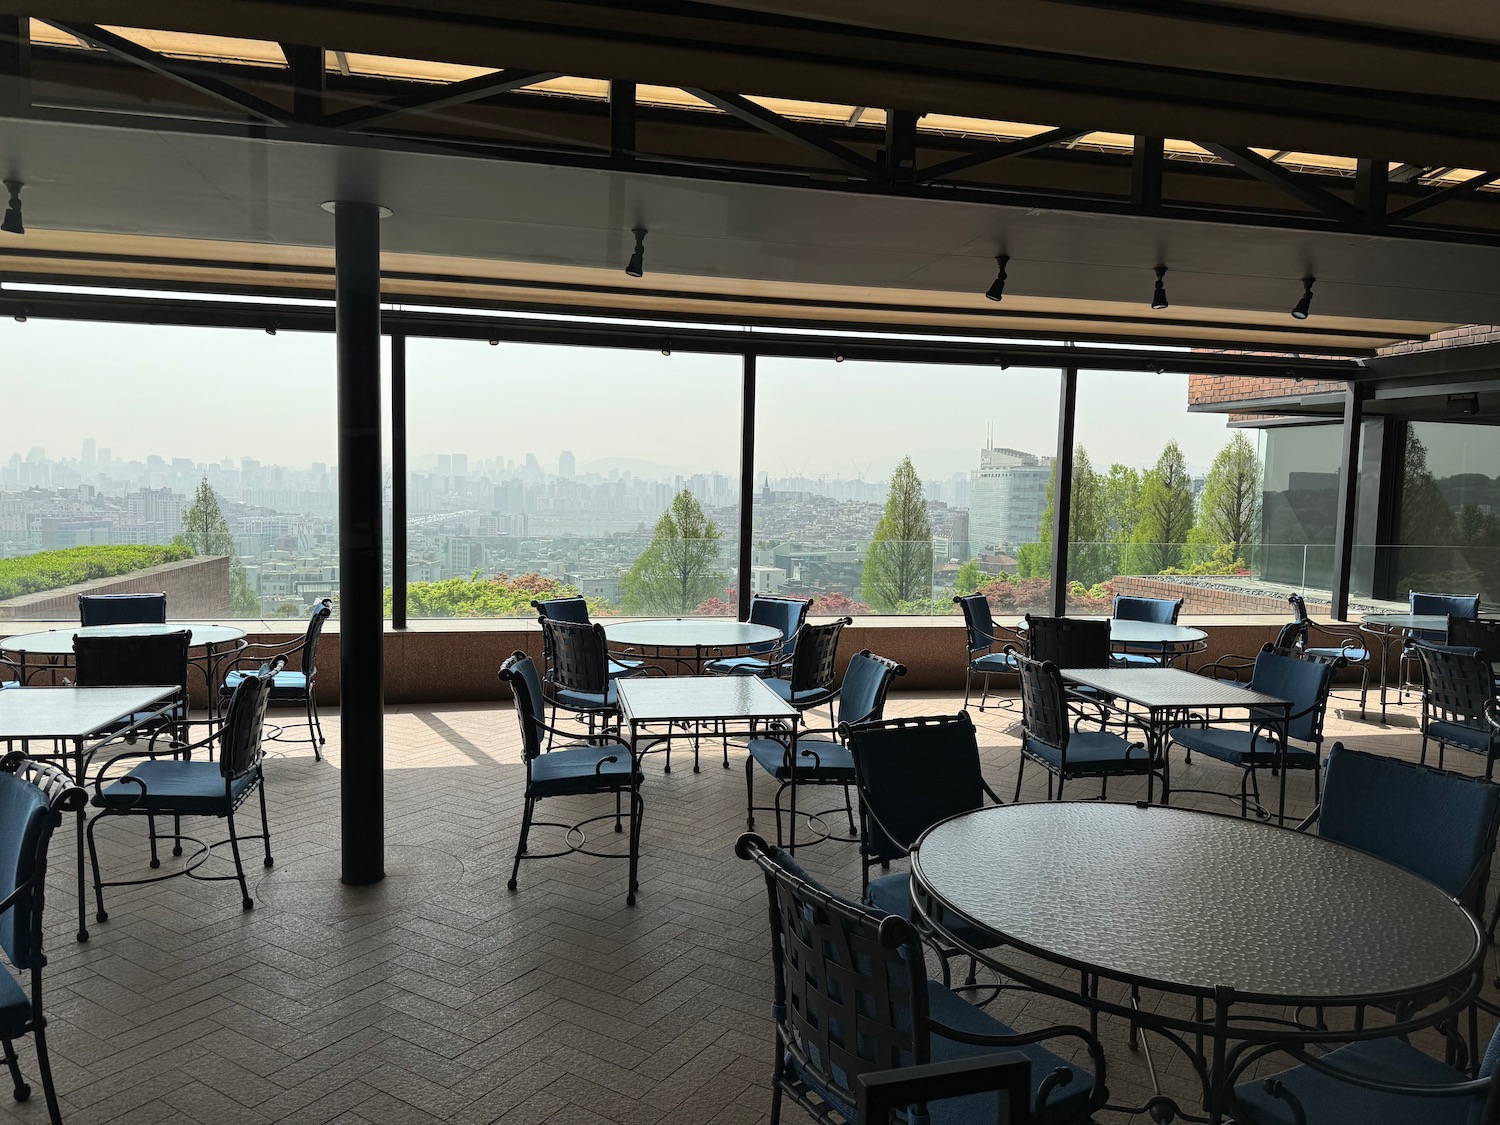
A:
x,y
438,995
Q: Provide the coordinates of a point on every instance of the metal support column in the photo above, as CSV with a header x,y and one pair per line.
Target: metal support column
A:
x,y
398,481
361,570
1062,489
1343,533
747,485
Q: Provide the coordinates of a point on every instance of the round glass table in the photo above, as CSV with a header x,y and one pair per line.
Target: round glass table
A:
x,y
1386,628
1229,916
52,649
688,641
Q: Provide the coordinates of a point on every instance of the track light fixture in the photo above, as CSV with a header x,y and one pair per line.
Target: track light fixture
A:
x,y
997,287
12,224
1159,294
636,267
1300,310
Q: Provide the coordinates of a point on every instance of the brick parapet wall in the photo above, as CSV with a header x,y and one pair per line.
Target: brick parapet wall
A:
x,y
197,590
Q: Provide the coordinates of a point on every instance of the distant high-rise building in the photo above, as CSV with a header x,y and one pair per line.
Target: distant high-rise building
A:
x,y
104,455
1008,495
460,464
445,464
567,467
89,456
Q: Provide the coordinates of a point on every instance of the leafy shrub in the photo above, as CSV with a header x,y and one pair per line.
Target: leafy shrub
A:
x,y
51,570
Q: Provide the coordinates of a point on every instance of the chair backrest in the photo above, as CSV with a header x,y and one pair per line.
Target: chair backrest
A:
x,y
122,609
314,634
1459,685
244,719
1068,642
519,671
912,773
1482,633
580,656
786,614
563,609
1441,605
1044,702
850,987
979,623
817,650
33,795
1439,825
1291,636
1302,682
150,661
1159,611
1299,609
866,681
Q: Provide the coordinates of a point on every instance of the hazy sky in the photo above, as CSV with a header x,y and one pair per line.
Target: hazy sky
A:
x,y
211,394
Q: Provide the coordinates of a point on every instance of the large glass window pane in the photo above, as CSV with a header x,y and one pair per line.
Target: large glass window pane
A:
x,y
537,471
921,480
1300,498
195,461
1448,523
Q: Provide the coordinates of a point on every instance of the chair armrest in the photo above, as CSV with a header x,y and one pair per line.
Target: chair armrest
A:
x,y
880,1094
1059,1077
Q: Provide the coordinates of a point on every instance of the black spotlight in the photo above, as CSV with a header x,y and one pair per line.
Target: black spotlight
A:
x,y
637,264
997,287
1159,294
1300,310
12,224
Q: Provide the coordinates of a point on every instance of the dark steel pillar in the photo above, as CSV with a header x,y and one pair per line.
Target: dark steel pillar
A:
x,y
1062,490
398,481
361,569
1344,528
747,486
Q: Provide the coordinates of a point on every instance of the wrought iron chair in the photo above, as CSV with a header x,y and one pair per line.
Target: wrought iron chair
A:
x,y
145,661
576,610
852,998
33,797
1430,605
1350,644
772,658
122,609
1482,633
983,638
601,764
294,687
1048,738
177,786
579,677
814,760
1303,682
1158,611
811,681
1071,642
1459,688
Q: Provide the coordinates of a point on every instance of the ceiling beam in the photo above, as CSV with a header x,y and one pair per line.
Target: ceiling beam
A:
x,y
309,80
1456,191
999,151
430,100
788,130
1147,163
622,118
1297,186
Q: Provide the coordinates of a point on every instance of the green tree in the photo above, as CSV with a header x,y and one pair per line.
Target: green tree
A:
x,y
679,569
898,566
1229,510
1166,512
1122,503
1091,558
206,531
969,578
1426,517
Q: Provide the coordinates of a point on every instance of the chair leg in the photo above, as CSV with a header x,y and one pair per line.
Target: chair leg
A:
x,y
265,824
849,812
22,1090
1422,756
312,733
619,824
638,806
1020,771
44,1067
984,689
749,793
239,868
176,835
515,869
968,676
775,1102
100,913
151,835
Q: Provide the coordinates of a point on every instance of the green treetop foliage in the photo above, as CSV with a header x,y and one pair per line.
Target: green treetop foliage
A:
x,y
206,531
1166,513
969,578
680,568
898,565
1229,510
50,570
1426,517
1102,517
499,596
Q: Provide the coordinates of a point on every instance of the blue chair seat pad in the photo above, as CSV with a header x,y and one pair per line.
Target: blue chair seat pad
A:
x,y
619,667
576,769
286,685
1140,659
1233,746
995,662
1352,655
1327,1101
809,698
587,701
891,894
15,1008
741,666
190,788
1092,753
1456,734
833,761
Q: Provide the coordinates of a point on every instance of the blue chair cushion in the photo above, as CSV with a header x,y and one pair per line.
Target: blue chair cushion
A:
x,y
577,769
1456,734
740,666
1233,746
15,1007
1352,655
995,662
1327,1101
1092,754
891,894
586,701
190,788
286,685
802,699
832,764
618,667
1140,659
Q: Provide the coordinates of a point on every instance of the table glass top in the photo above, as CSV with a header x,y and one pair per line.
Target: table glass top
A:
x,y
647,699
690,632
1197,900
59,642
71,712
1423,621
1169,687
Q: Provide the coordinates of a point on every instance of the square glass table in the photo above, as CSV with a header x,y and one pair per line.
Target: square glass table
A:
x,y
651,708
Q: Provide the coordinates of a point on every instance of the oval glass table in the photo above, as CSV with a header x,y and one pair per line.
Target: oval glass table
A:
x,y
1385,628
51,650
690,642
1204,929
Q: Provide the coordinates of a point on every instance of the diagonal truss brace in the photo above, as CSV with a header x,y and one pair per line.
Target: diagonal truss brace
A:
x,y
430,100
204,84
1000,151
1454,191
1269,172
779,126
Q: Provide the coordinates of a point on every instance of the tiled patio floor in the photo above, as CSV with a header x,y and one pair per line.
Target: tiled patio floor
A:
x,y
438,995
